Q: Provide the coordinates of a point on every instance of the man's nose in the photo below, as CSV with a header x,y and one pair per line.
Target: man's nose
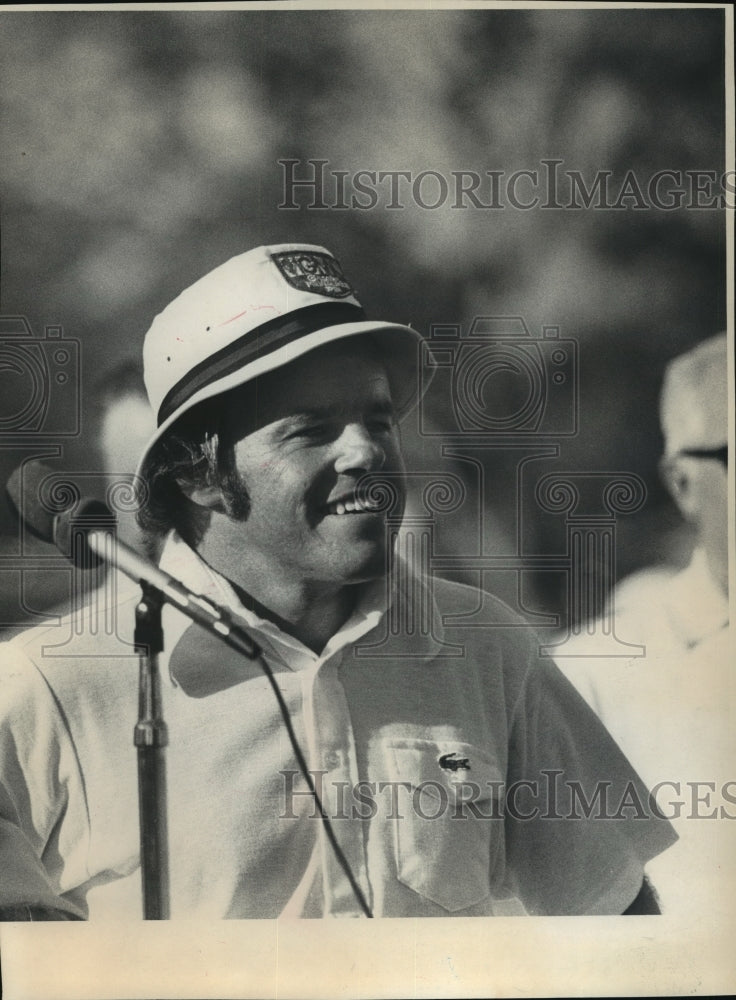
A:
x,y
359,449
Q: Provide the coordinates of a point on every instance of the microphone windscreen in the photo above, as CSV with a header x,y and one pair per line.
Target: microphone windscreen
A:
x,y
25,489
51,507
72,527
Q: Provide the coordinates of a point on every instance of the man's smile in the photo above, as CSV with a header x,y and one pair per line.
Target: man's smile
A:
x,y
351,503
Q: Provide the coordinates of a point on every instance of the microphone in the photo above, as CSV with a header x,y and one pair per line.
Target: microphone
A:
x,y
53,510
84,533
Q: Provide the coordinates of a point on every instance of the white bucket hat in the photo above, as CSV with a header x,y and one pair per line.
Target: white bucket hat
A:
x,y
257,312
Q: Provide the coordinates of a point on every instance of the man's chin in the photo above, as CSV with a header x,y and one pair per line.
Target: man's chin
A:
x,y
372,566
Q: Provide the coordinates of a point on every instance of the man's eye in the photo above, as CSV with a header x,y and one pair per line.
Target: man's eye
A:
x,y
312,431
383,425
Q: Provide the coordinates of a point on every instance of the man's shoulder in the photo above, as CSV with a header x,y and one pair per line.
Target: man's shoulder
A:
x,y
645,584
644,600
464,601
74,673
100,625
492,635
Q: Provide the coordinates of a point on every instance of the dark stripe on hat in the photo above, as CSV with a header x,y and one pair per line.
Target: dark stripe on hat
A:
x,y
258,343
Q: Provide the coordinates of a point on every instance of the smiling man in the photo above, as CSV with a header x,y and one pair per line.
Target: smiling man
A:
x,y
460,775
309,536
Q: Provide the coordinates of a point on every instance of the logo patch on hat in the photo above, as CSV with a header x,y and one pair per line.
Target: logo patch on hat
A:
x,y
309,271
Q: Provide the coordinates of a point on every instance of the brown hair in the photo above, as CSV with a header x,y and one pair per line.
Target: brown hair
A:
x,y
198,450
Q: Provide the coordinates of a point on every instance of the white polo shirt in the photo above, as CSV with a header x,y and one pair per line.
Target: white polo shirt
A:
x,y
671,710
445,756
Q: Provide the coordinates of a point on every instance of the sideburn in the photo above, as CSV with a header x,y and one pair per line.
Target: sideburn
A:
x,y
235,498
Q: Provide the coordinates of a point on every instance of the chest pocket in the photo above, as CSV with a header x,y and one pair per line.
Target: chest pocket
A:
x,y
447,838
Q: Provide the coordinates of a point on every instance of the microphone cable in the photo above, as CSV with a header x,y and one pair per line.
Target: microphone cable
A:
x,y
260,659
59,529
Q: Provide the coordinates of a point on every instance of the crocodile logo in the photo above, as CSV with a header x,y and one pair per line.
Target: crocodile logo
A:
x,y
451,762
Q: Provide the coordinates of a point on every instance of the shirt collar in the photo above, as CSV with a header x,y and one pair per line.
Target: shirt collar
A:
x,y
381,634
699,606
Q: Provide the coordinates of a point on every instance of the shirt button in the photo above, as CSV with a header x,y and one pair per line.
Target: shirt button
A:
x,y
333,760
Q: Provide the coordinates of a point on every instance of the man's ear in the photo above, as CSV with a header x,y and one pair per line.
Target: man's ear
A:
x,y
677,475
209,496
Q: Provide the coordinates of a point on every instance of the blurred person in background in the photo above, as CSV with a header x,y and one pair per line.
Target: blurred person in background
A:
x,y
670,710
120,421
126,422
277,399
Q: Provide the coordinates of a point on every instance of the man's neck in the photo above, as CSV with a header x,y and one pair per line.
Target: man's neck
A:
x,y
310,612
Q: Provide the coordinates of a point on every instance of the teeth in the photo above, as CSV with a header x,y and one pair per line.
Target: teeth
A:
x,y
352,506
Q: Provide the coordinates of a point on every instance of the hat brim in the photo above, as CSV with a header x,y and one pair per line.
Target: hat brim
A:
x,y
399,346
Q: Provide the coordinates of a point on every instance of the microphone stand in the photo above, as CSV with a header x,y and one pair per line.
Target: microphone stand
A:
x,y
150,733
86,536
151,738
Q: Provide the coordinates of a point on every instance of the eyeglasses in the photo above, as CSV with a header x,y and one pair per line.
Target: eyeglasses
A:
x,y
720,454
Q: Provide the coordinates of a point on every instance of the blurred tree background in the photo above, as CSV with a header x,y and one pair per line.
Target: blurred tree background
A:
x,y
141,149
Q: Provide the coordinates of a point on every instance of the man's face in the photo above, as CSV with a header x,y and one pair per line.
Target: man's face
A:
x,y
322,423
711,487
700,488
